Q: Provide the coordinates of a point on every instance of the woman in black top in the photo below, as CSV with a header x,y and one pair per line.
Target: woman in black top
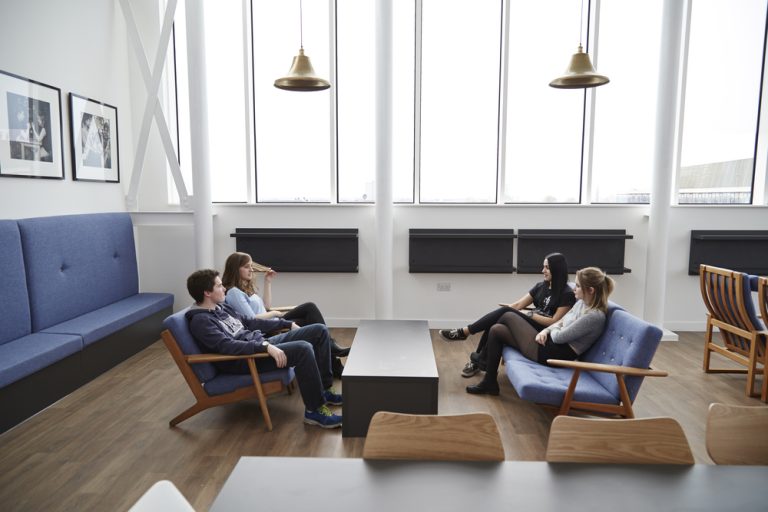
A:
x,y
551,300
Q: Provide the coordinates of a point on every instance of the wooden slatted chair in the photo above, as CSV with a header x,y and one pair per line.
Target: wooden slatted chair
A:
x,y
737,434
728,299
212,388
466,437
762,294
625,441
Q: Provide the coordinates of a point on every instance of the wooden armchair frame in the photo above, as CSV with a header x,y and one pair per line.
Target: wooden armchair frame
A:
x,y
466,437
623,408
259,390
630,441
762,294
722,291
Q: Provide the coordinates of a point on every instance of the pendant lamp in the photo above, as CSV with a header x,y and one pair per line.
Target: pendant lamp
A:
x,y
301,76
580,74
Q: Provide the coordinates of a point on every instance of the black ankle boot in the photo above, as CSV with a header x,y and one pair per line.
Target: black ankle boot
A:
x,y
484,387
336,367
337,350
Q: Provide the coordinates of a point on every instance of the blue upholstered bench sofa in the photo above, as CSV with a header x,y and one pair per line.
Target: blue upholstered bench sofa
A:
x,y
71,307
608,375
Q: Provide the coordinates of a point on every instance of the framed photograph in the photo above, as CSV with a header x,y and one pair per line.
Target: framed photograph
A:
x,y
93,126
30,129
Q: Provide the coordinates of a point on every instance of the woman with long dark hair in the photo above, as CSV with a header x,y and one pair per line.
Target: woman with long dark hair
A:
x,y
566,339
551,300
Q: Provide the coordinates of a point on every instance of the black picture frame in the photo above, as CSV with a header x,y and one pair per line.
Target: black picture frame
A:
x,y
30,129
94,140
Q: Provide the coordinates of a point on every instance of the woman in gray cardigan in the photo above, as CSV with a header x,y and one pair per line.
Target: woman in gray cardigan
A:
x,y
568,338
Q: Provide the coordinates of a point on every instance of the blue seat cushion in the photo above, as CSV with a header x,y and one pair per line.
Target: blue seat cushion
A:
x,y
76,264
750,285
547,385
106,320
15,320
227,382
29,354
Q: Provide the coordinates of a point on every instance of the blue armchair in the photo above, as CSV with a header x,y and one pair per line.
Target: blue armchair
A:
x,y
211,387
605,380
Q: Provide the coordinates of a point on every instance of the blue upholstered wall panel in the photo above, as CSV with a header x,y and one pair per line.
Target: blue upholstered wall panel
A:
x,y
77,263
15,321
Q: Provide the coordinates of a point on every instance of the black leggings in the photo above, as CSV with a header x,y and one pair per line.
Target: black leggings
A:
x,y
513,330
485,323
305,314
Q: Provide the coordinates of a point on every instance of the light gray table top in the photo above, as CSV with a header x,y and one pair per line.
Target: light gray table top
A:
x,y
391,348
340,485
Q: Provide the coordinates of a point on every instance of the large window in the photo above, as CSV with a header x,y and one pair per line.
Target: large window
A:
x,y
544,126
293,129
719,123
356,99
460,58
473,119
623,130
227,89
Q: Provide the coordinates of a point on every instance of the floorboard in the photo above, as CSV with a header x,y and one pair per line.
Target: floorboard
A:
x,y
102,446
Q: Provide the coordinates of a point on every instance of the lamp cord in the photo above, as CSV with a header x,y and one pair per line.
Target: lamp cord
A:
x,y
301,24
581,21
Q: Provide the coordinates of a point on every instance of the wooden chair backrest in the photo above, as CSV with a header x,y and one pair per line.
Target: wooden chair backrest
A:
x,y
737,434
722,291
186,369
466,437
627,441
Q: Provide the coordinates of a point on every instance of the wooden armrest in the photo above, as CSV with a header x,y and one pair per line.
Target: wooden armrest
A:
x,y
215,358
609,368
282,308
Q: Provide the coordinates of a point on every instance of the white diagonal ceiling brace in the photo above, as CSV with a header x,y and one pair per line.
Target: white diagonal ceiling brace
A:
x,y
152,107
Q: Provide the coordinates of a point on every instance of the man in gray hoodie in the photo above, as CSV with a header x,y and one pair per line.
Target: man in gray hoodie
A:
x,y
218,328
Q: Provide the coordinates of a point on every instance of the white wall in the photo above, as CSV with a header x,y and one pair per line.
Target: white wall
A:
x,y
78,46
684,310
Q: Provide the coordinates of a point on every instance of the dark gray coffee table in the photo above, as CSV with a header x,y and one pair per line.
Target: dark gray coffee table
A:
x,y
391,367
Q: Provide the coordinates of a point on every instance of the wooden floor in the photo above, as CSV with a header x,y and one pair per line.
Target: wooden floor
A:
x,y
102,446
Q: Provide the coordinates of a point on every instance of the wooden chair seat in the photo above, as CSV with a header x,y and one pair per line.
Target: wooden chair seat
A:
x,y
737,434
468,437
625,441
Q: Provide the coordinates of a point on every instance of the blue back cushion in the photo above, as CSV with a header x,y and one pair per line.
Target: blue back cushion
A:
x,y
77,263
179,327
626,341
15,320
750,285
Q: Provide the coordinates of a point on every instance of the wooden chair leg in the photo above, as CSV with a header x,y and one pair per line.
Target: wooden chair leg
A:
x,y
187,414
260,393
624,394
764,390
707,341
568,398
752,368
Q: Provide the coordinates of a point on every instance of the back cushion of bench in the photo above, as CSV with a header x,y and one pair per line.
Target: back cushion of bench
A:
x,y
77,263
15,320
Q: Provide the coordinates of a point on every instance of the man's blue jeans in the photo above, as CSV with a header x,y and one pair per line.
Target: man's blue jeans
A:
x,y
308,350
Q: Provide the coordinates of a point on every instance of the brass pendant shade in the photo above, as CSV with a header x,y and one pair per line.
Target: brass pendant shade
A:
x,y
301,76
580,74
